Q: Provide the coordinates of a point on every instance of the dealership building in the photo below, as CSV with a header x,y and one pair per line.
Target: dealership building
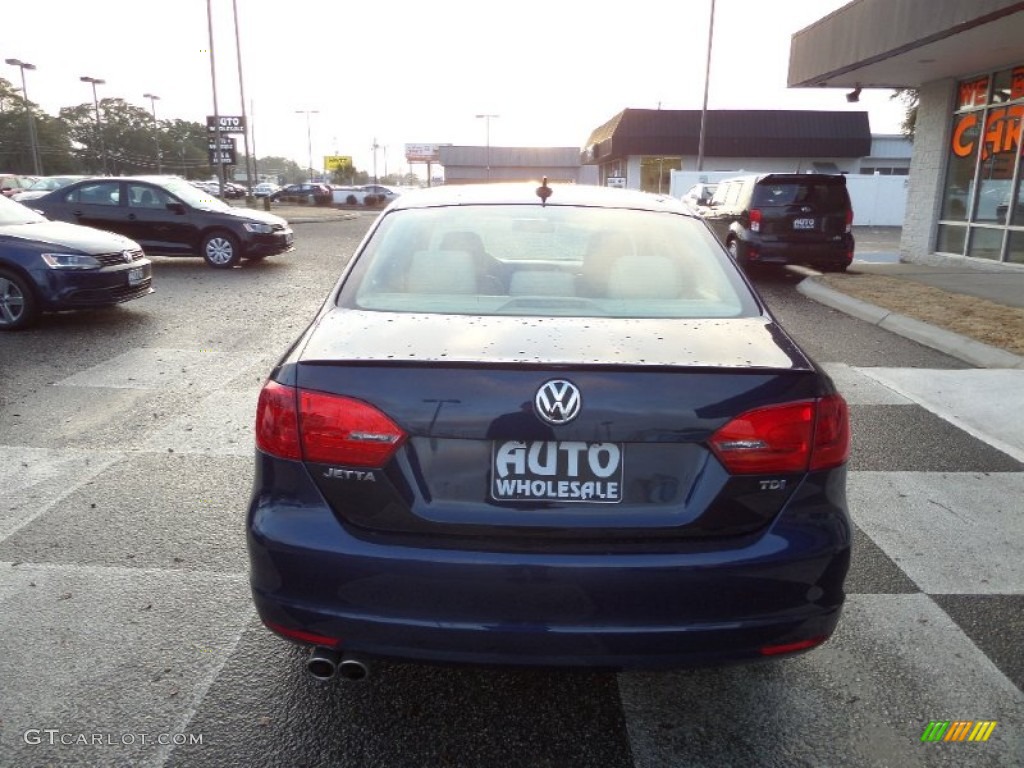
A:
x,y
966,60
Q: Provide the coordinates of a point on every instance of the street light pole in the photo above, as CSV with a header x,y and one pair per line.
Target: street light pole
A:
x,y
96,103
309,137
375,147
153,98
36,162
487,120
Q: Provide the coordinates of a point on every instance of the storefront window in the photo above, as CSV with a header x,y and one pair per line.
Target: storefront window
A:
x,y
986,243
656,172
952,238
963,154
1015,248
983,165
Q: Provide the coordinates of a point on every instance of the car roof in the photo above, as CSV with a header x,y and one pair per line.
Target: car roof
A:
x,y
836,178
521,193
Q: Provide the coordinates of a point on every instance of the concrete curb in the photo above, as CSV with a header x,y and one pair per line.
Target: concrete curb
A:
x,y
319,219
953,344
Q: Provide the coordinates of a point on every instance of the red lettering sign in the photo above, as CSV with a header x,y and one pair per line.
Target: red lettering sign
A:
x,y
961,147
1001,134
973,92
1017,83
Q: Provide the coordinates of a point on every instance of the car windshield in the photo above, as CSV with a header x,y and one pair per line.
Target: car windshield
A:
x,y
16,213
197,198
50,183
553,260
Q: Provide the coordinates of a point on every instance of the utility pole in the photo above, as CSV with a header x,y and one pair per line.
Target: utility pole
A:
x,y
216,112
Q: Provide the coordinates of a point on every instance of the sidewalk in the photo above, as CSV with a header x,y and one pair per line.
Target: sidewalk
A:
x,y
973,313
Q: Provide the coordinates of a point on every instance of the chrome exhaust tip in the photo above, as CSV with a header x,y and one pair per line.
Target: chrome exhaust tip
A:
x,y
352,668
323,663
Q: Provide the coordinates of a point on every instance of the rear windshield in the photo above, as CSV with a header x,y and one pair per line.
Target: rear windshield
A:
x,y
554,260
829,195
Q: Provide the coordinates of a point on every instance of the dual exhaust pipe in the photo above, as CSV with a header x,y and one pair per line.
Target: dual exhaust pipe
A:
x,y
324,663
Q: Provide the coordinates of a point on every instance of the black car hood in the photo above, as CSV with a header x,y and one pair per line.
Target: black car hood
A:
x,y
389,337
60,234
248,214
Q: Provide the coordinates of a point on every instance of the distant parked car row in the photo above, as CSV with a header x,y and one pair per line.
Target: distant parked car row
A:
x,y
13,182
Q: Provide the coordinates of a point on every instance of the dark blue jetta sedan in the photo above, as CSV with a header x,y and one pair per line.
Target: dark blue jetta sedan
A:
x,y
48,266
547,425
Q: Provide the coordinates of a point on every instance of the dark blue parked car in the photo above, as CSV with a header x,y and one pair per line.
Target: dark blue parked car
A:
x,y
48,266
547,426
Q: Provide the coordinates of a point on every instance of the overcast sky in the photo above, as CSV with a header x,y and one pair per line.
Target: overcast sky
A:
x,y
405,72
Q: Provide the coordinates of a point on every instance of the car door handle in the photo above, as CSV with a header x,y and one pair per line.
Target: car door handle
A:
x,y
76,213
131,217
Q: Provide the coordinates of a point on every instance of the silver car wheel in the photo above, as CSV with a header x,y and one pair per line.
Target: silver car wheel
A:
x,y
12,302
221,250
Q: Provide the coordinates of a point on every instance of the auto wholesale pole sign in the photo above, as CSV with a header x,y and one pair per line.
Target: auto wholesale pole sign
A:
x,y
228,123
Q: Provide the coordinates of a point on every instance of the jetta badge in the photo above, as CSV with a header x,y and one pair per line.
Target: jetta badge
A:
x,y
558,401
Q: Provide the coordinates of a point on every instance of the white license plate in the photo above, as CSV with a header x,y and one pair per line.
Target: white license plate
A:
x,y
556,471
136,276
803,223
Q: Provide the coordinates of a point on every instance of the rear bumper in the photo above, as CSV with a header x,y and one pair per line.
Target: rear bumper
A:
x,y
602,610
822,253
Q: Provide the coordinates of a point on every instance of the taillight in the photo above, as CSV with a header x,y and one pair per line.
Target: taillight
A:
x,y
340,430
322,428
755,220
277,423
792,437
849,220
831,433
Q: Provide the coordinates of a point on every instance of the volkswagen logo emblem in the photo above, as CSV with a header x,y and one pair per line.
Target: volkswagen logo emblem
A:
x,y
127,256
558,401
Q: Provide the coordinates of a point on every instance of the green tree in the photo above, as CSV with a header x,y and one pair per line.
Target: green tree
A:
x,y
123,142
15,140
284,170
185,148
910,99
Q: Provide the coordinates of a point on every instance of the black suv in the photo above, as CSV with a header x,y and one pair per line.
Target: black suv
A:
x,y
784,218
169,216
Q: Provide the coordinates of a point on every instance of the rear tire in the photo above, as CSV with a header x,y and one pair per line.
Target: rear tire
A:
x,y
18,305
221,250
